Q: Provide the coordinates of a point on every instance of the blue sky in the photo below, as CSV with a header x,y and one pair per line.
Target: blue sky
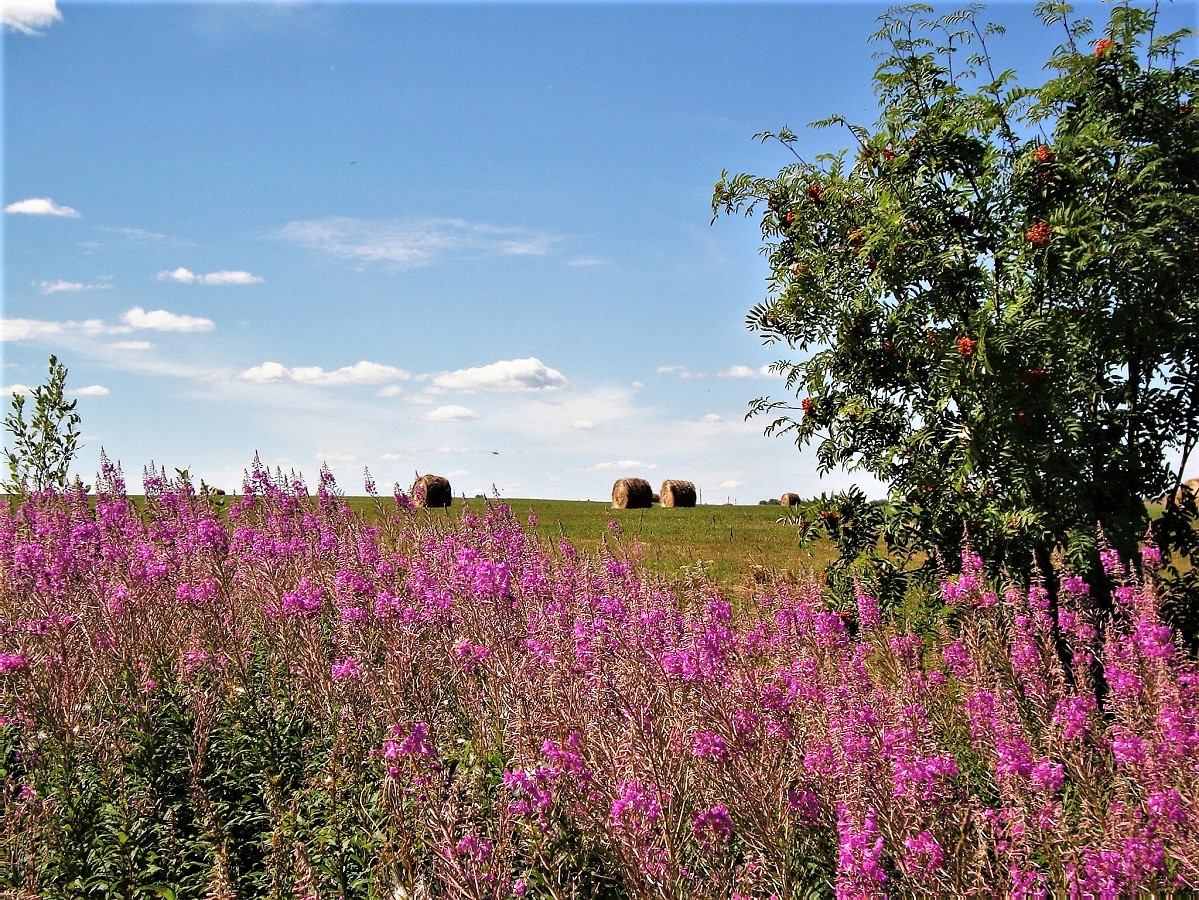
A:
x,y
470,239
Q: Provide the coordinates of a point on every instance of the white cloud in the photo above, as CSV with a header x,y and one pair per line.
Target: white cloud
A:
x,y
681,371
627,465
40,206
16,389
744,372
92,390
39,329
408,244
450,414
161,320
585,262
55,287
732,483
506,375
711,417
363,372
335,457
130,346
392,390
582,424
185,276
29,16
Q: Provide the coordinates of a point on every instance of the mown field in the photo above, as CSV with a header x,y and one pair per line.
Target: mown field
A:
x,y
737,546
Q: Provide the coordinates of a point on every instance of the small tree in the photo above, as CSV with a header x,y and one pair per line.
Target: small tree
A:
x,y
997,289
43,447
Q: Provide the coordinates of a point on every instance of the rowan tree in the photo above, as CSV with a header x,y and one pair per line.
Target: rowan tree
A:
x,y
995,291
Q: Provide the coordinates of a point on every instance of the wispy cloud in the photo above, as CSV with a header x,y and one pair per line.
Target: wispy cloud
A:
x,y
60,286
40,329
335,457
582,425
40,206
731,483
15,389
161,320
506,375
29,16
185,276
363,372
624,465
142,235
410,244
92,390
130,346
450,414
744,372
585,262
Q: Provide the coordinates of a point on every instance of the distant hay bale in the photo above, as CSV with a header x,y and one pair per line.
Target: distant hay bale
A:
x,y
678,493
789,499
632,493
432,492
1191,486
656,498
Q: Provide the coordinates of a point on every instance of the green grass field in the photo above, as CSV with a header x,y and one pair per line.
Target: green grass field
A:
x,y
738,546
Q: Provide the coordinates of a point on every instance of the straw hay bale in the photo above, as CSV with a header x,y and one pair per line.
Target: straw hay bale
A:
x,y
656,498
677,493
789,499
432,491
632,493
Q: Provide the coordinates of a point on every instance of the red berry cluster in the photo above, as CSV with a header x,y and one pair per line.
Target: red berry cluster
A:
x,y
1101,46
1033,376
1039,234
789,219
808,405
888,154
1045,154
816,194
966,346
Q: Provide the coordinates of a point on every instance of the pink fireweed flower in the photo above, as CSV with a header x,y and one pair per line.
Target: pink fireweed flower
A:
x,y
1151,557
1048,776
348,669
860,869
925,854
305,600
474,848
11,663
197,595
470,654
1073,714
713,825
636,803
709,744
868,612
1111,563
415,743
805,805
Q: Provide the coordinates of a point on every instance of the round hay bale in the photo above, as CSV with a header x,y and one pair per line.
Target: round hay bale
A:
x,y
678,493
632,493
789,499
656,499
432,492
